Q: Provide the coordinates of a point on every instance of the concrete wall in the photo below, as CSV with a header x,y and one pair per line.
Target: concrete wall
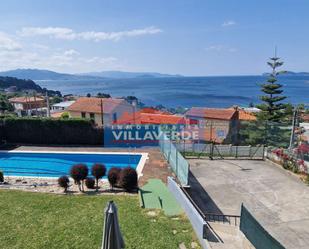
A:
x,y
196,220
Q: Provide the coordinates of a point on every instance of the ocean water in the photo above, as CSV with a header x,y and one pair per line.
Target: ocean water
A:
x,y
186,91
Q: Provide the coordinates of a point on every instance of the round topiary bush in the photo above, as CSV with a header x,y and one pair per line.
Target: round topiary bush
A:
x,y
1,177
98,171
113,176
90,182
128,179
79,173
63,182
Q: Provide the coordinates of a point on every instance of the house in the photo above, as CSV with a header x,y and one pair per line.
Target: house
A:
x,y
216,124
305,118
246,113
62,106
103,111
11,89
151,116
28,105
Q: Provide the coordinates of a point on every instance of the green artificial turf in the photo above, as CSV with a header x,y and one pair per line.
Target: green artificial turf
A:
x,y
35,220
156,195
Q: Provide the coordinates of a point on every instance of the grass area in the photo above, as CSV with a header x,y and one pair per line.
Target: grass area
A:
x,y
36,220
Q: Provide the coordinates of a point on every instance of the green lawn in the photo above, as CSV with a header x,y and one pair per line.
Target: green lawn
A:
x,y
34,220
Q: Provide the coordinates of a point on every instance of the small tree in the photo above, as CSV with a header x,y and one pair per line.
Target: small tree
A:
x,y
79,173
63,182
128,179
90,182
98,171
113,176
65,115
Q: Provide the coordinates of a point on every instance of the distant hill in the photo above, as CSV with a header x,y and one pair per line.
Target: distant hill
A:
x,y
38,74
290,73
23,85
121,74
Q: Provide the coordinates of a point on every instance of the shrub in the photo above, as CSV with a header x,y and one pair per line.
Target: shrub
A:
x,y
65,115
79,173
90,182
113,176
63,182
51,131
1,177
128,179
98,171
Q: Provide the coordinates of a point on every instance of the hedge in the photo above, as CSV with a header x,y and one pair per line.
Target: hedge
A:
x,y
51,131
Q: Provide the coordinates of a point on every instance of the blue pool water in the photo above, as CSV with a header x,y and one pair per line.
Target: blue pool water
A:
x,y
58,164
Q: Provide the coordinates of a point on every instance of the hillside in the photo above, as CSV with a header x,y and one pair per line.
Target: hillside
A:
x,y
123,75
23,85
38,74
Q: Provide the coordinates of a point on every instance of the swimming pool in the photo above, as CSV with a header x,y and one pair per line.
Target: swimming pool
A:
x,y
55,164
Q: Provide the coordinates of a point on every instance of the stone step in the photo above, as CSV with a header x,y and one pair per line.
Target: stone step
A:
x,y
230,236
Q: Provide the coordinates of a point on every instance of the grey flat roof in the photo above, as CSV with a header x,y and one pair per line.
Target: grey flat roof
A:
x,y
64,104
277,199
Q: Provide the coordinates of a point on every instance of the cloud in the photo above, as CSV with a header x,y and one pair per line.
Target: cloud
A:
x,y
214,48
39,46
8,44
69,34
228,23
221,48
62,61
71,52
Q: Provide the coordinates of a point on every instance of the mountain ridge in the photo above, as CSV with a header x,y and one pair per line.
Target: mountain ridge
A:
x,y
42,74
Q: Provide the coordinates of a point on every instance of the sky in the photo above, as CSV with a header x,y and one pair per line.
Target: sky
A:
x,y
188,37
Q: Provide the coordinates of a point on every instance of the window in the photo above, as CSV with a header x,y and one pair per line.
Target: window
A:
x,y
115,117
83,115
92,116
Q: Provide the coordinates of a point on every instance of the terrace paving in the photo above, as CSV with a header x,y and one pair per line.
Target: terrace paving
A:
x,y
279,200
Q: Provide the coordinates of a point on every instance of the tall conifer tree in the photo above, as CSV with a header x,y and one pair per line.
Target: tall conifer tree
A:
x,y
272,108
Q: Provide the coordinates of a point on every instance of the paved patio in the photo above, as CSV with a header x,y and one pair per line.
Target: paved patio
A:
x,y
279,200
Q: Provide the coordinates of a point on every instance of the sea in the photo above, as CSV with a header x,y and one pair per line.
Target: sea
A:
x,y
172,92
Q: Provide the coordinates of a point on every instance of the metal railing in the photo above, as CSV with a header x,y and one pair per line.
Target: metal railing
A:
x,y
198,150
214,217
223,218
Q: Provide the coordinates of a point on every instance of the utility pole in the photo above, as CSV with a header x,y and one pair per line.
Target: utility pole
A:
x,y
102,113
294,121
47,103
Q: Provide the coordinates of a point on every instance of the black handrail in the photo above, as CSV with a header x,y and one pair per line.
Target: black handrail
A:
x,y
213,217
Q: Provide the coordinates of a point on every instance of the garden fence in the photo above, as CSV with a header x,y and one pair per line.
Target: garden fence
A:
x,y
177,162
255,232
221,150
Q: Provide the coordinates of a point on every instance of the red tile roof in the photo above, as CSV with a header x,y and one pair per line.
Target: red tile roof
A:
x,y
25,99
211,113
247,116
305,117
93,105
150,118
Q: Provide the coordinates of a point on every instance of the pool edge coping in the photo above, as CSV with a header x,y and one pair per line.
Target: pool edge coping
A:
x,y
139,168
